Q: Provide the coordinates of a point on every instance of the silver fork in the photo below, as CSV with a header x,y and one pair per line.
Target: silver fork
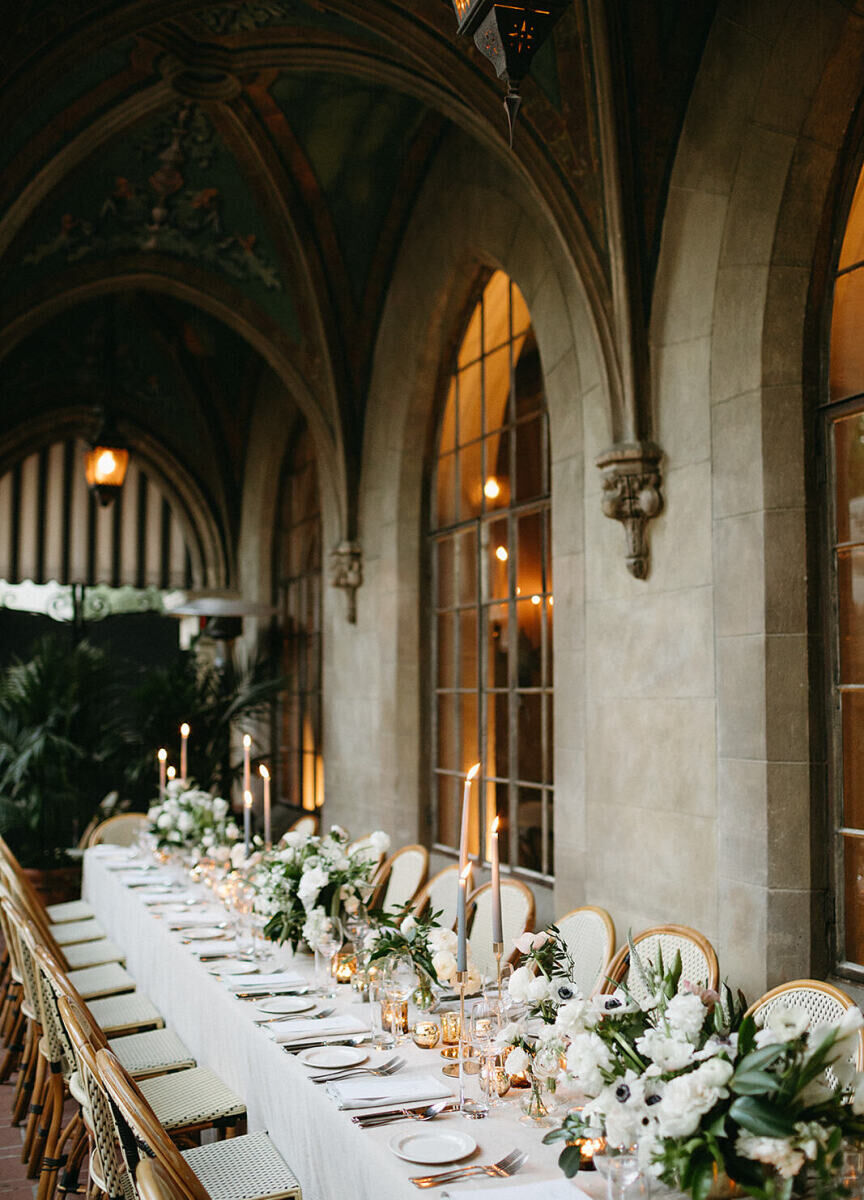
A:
x,y
325,1012
506,1166
387,1068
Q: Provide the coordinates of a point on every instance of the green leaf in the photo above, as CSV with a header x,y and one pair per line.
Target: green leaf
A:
x,y
761,1118
569,1160
753,1083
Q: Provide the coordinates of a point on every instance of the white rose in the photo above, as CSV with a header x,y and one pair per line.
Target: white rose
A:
x,y
408,927
517,1061
379,841
444,964
220,808
587,1057
538,989
777,1152
443,939
185,822
685,1015
311,883
520,981
570,1018
232,832
670,1054
685,1101
164,821
716,1072
154,813
352,904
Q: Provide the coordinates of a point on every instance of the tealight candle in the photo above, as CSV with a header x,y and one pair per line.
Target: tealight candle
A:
x,y
394,1016
344,965
426,1034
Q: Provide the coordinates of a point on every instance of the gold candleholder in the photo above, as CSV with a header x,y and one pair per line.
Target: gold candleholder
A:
x,y
343,966
394,1016
426,1034
451,1032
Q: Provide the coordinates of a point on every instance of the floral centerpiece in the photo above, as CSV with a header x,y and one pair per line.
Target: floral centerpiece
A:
x,y
308,878
702,1092
431,950
191,819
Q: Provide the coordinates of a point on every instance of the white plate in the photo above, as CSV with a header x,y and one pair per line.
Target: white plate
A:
x,y
232,968
286,1006
435,1147
331,1057
202,933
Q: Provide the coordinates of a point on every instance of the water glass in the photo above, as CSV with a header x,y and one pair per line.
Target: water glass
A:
x,y
619,1171
328,945
382,1037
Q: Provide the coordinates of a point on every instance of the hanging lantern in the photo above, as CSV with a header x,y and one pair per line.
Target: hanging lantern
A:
x,y
509,35
105,466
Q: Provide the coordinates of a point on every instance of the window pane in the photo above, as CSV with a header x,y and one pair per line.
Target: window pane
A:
x,y
447,650
847,345
497,376
550,654
471,344
520,317
447,509
528,616
853,857
496,488
497,734
466,567
527,380
497,559
530,459
446,571
530,746
470,731
496,315
530,839
529,534
550,840
850,603
471,481
549,772
448,745
497,645
502,808
469,666
447,439
448,805
470,403
849,475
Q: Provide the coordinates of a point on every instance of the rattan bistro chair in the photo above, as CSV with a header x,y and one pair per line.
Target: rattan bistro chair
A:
x,y
307,824
244,1168
69,910
698,959
154,1182
401,877
824,1004
438,894
517,916
589,935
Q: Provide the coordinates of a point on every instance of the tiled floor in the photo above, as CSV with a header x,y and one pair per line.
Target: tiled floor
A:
x,y
14,1184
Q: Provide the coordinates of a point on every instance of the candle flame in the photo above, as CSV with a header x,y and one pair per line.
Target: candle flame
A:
x,y
496,824
466,873
162,754
172,771
247,740
472,774
184,730
247,799
263,772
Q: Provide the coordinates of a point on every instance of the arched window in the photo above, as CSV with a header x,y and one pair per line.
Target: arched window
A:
x,y
844,417
298,575
491,568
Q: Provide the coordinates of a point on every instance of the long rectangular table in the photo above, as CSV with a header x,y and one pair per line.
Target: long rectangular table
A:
x,y
332,1157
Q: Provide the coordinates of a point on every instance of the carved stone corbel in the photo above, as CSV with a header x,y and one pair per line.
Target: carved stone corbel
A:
x,y
631,495
346,571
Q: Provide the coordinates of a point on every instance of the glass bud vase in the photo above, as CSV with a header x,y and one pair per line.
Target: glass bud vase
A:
x,y
423,998
533,1103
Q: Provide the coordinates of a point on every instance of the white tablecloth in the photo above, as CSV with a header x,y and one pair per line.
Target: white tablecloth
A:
x,y
333,1158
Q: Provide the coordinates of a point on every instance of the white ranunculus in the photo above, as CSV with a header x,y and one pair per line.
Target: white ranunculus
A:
x,y
164,821
685,1015
716,1072
687,1098
444,964
520,981
587,1055
379,841
232,831
220,808
185,822
570,1018
311,883
670,1054
517,1061
538,989
443,939
777,1152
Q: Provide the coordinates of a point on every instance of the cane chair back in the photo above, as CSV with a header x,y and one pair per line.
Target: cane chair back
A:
x,y
438,894
86,1042
589,935
122,830
70,910
401,877
698,959
21,954
153,1182
307,824
517,916
364,849
824,1004
58,1048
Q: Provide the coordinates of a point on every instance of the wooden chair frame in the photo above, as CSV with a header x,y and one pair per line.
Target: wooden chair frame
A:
x,y
306,816
96,840
510,882
386,869
620,964
610,939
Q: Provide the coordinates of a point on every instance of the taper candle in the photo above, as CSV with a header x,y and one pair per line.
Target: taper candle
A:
x,y
265,775
184,745
466,808
461,925
162,755
497,935
171,772
247,823
247,767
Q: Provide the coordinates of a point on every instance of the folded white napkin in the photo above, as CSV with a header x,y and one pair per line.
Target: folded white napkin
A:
x,y
265,983
552,1189
108,850
325,1027
196,916
212,947
156,892
370,1091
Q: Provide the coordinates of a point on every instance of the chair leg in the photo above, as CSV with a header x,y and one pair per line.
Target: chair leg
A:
x,y
14,1047
24,1085
35,1116
52,1161
69,1180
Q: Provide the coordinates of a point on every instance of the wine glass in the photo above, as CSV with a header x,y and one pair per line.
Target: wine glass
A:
x,y
484,1027
400,981
547,1068
328,945
619,1171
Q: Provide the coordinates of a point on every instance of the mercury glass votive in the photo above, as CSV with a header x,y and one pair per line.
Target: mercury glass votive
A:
x,y
343,966
451,1031
394,1016
426,1034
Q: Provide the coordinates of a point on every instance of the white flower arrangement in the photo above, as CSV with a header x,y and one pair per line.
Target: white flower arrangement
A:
x,y
188,818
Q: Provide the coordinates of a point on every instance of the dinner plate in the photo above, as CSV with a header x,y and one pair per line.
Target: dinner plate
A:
x,y
202,933
233,968
331,1057
286,1006
433,1146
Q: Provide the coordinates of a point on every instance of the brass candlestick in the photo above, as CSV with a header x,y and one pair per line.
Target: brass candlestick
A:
x,y
461,977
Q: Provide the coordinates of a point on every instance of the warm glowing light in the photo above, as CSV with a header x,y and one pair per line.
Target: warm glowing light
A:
x,y
501,554
492,488
496,824
185,730
247,799
105,465
171,772
466,873
247,740
162,755
518,591
263,772
472,774
535,600
551,600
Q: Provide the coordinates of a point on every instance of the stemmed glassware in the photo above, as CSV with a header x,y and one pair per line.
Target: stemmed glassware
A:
x,y
400,982
484,1027
328,945
619,1171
